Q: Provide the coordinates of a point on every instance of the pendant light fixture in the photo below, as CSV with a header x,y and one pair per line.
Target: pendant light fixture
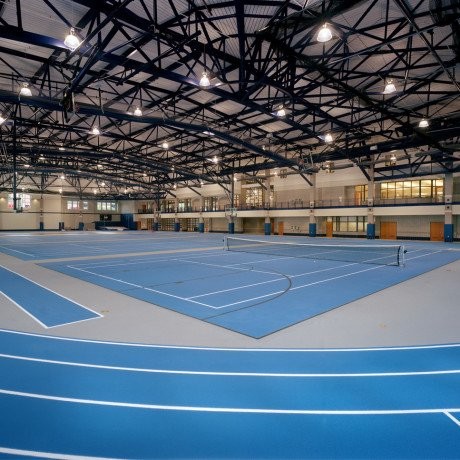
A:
x,y
324,34
72,41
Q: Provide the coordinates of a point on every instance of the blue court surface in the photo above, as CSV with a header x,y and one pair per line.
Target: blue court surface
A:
x,y
44,305
249,293
66,398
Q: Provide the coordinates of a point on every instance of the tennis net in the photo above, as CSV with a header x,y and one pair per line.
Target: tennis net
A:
x,y
380,254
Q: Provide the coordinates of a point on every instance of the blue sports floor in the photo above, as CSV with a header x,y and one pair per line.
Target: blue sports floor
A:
x,y
66,398
252,294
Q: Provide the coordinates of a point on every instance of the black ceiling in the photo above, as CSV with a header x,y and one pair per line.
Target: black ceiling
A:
x,y
261,56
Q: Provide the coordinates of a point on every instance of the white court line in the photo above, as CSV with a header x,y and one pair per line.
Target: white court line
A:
x,y
240,410
454,419
95,248
142,261
50,455
229,267
142,287
15,250
244,286
251,299
299,287
24,310
49,290
243,350
309,284
234,374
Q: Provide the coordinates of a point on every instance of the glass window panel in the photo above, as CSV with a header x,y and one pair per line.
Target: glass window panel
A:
x,y
352,226
425,191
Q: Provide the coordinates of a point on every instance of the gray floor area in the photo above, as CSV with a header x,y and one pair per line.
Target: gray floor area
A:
x,y
423,310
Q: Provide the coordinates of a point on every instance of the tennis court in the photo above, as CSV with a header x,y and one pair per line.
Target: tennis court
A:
x,y
255,290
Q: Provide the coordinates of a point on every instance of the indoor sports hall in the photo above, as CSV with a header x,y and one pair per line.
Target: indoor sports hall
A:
x,y
229,229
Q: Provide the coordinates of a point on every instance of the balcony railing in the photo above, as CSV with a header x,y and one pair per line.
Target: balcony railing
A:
x,y
326,203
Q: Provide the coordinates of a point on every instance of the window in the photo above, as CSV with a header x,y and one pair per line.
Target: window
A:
x,y
85,205
349,223
254,197
168,206
361,194
427,188
23,200
106,206
184,205
210,203
73,205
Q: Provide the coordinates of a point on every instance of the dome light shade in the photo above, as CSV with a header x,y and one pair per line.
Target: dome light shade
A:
x,y
328,138
95,131
324,34
138,112
424,123
389,87
25,90
205,80
165,145
72,41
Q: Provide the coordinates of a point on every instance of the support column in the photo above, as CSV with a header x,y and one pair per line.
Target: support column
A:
x,y
267,226
201,219
370,231
42,223
448,222
312,218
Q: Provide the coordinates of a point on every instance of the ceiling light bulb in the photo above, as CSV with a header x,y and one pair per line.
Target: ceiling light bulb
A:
x,y
165,145
205,80
72,41
25,90
324,34
2,120
424,123
389,87
328,138
215,159
138,112
281,112
95,131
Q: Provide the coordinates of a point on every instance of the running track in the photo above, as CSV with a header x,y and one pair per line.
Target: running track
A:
x,y
67,398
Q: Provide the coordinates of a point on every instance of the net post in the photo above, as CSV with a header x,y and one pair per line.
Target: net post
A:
x,y
402,256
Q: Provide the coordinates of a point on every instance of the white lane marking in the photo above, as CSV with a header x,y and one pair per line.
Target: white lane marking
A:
x,y
230,409
233,374
50,455
243,350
